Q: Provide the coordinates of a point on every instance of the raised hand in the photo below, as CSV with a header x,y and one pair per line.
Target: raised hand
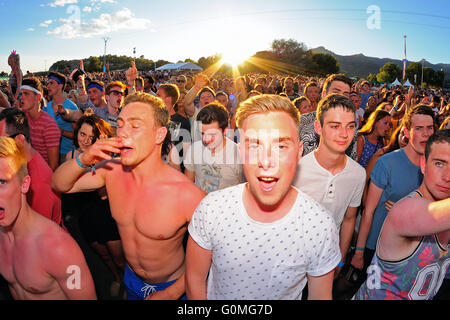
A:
x,y
101,150
131,73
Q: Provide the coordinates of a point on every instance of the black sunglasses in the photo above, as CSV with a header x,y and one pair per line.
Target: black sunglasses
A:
x,y
117,93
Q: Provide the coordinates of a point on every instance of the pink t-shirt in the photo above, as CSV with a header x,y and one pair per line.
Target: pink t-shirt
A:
x,y
44,133
41,197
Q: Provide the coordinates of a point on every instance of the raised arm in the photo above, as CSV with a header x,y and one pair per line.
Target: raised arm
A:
x,y
71,177
201,81
419,217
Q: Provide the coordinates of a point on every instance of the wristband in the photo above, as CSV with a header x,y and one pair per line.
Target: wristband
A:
x,y
341,264
357,248
91,168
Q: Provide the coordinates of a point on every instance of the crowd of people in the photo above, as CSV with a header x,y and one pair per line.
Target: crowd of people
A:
x,y
209,186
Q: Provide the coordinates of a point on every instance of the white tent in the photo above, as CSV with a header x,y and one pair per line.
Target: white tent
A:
x,y
407,84
396,83
179,66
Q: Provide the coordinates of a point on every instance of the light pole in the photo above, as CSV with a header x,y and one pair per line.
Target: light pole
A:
x,y
404,60
421,83
106,39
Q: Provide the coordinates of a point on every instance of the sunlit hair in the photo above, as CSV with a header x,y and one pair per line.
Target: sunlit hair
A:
x,y
393,141
422,109
115,84
214,112
298,101
171,90
440,136
382,106
99,126
333,101
336,77
374,117
266,103
15,153
16,58
445,123
34,83
308,85
160,112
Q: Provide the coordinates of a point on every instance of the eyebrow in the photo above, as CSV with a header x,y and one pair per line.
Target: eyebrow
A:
x,y
337,122
130,119
281,139
441,160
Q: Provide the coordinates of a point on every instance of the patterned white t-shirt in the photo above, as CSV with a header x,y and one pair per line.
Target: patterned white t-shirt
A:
x,y
252,260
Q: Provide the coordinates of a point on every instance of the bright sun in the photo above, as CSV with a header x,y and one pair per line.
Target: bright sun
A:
x,y
233,58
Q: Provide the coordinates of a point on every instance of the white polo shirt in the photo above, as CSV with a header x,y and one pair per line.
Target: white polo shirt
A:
x,y
335,192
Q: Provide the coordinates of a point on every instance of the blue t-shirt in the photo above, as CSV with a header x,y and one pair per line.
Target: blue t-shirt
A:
x,y
397,176
66,144
364,98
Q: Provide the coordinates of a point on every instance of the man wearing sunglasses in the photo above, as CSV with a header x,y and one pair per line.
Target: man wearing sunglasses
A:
x,y
114,96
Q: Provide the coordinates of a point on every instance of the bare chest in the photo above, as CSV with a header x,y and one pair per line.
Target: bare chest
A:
x,y
150,211
22,267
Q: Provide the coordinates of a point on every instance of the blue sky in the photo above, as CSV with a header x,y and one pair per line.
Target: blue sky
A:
x,y
45,31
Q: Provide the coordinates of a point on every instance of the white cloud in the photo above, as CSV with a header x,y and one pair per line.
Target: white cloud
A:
x,y
46,23
61,3
87,9
30,29
105,23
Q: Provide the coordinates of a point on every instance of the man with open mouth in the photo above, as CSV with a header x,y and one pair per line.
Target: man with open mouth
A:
x,y
263,239
141,191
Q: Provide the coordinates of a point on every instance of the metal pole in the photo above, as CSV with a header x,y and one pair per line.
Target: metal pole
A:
x,y
421,83
106,39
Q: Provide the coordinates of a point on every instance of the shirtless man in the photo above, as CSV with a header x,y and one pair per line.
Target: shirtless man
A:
x,y
141,190
39,260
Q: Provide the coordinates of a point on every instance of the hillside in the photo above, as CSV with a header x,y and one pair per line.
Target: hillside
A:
x,y
361,65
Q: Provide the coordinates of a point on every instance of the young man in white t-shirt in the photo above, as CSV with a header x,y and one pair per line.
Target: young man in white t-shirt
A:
x,y
328,175
263,239
213,162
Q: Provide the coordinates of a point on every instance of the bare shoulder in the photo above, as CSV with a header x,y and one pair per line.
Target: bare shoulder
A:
x,y
56,247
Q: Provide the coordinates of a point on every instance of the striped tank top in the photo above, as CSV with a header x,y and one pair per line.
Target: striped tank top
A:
x,y
417,277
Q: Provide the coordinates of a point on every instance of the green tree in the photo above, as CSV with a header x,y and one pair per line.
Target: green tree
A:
x,y
438,78
414,69
372,78
389,72
94,64
325,63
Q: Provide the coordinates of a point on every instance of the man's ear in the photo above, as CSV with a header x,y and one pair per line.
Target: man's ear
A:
x,y
107,97
20,138
406,133
26,182
318,127
161,133
423,163
300,151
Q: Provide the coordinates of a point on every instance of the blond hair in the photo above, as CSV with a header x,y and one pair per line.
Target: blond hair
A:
x,y
266,103
161,113
15,153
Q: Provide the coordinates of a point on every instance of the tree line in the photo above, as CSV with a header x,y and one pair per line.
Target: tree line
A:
x,y
284,56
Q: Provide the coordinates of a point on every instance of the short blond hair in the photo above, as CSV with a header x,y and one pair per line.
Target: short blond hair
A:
x,y
15,153
158,106
265,103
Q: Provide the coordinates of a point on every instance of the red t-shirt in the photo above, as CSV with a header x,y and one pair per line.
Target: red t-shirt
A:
x,y
41,197
44,133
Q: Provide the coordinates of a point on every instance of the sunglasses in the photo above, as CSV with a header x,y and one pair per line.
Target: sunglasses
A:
x,y
180,81
117,93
